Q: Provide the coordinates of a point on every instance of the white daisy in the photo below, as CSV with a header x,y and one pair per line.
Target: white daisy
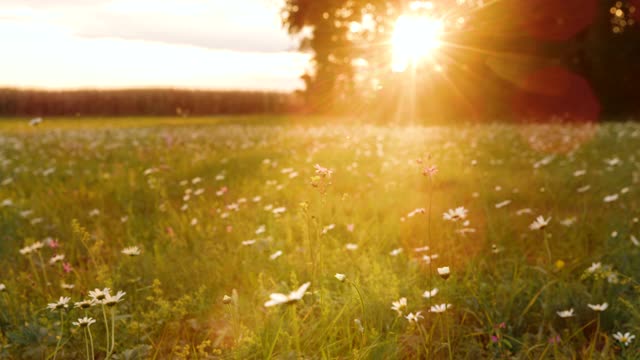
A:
x,y
110,300
430,293
63,303
625,338
598,307
399,305
456,214
439,308
566,313
414,317
539,223
84,322
131,251
444,272
296,295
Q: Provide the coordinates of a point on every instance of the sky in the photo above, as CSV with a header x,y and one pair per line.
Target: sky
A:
x,y
203,44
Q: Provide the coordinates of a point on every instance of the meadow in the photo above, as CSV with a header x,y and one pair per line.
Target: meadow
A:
x,y
289,238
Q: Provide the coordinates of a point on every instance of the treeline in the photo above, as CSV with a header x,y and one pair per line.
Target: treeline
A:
x,y
143,102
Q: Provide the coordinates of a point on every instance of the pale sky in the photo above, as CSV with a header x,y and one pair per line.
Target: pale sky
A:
x,y
205,44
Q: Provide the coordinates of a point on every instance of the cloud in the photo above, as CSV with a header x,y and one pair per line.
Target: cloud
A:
x,y
240,25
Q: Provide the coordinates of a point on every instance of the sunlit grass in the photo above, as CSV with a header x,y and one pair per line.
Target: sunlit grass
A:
x,y
210,202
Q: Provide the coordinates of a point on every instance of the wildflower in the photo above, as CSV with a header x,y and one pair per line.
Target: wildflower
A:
x,y
503,204
322,171
598,307
94,212
399,305
350,227
66,267
52,243
523,211
340,277
539,223
26,250
584,188
430,170
554,339
2,287
352,247
131,251
568,221
444,272
594,267
578,173
327,228
296,295
63,303
439,308
635,241
279,210
98,295
456,214
67,286
35,121
248,242
411,317
559,264
395,252
112,300
227,299
566,313
625,338
56,258
416,211
276,255
421,249
84,322
430,293
261,229
84,304
610,198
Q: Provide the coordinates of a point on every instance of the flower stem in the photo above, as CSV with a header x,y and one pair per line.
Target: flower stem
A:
x,y
55,353
296,328
86,342
113,330
91,342
106,326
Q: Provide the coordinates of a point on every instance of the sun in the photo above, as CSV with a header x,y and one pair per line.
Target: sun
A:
x,y
415,38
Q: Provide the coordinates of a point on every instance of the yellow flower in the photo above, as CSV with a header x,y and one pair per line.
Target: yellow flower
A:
x,y
559,264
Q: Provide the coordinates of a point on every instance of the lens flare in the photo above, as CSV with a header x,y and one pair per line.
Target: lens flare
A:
x,y
415,38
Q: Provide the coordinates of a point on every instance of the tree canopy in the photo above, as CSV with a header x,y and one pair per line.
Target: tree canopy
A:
x,y
570,59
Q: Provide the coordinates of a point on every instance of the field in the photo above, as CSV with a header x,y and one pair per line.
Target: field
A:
x,y
225,212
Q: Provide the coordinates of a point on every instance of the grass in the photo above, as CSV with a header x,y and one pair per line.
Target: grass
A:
x,y
189,192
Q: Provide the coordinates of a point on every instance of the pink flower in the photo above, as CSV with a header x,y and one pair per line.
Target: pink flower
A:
x,y
67,267
494,338
351,227
170,231
554,339
502,325
53,243
229,228
430,170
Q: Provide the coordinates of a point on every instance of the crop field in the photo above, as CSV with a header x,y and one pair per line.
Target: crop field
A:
x,y
291,238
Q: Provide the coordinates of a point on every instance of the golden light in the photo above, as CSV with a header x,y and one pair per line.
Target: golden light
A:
x,y
415,38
